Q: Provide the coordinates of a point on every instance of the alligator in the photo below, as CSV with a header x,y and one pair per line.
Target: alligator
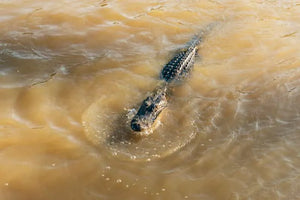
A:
x,y
176,70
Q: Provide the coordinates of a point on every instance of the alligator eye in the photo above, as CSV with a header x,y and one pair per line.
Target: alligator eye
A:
x,y
148,101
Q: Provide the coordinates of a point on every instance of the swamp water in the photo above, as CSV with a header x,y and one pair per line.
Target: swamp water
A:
x,y
72,71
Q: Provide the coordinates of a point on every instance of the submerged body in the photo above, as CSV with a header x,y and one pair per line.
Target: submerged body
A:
x,y
177,69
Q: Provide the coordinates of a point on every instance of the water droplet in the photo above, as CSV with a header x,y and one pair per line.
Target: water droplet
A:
x,y
157,193
163,189
53,164
6,184
127,186
119,181
63,69
186,197
108,167
210,140
107,179
133,157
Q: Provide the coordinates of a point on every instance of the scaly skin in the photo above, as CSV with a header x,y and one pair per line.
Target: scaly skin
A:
x,y
180,65
177,69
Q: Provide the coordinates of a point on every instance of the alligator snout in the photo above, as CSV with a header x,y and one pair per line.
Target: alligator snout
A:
x,y
136,125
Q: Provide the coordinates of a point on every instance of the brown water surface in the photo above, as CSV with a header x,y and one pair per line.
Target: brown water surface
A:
x,y
72,72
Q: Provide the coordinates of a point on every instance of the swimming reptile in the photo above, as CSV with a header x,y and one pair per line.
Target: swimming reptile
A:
x,y
176,70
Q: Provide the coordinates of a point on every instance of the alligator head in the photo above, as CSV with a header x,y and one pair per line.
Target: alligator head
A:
x,y
149,110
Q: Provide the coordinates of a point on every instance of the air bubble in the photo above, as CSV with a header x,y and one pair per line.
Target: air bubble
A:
x,y
133,157
119,181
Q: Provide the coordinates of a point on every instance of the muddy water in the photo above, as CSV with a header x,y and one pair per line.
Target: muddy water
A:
x,y
72,72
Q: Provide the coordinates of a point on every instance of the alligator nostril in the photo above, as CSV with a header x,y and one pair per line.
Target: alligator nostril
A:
x,y
135,126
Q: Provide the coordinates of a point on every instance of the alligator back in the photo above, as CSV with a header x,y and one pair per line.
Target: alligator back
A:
x,y
179,66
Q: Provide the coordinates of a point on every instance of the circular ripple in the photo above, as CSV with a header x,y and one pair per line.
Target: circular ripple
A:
x,y
106,124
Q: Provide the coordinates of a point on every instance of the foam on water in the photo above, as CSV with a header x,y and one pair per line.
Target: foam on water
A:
x,y
108,125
